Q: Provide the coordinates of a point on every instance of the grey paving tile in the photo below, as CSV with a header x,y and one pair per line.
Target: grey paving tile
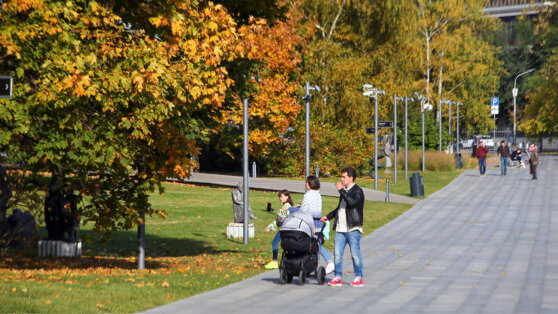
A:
x,y
487,245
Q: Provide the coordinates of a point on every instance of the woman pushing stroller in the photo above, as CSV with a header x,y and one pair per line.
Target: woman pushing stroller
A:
x,y
312,204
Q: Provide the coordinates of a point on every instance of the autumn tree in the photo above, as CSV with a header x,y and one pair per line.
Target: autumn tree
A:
x,y
113,105
267,73
540,117
459,59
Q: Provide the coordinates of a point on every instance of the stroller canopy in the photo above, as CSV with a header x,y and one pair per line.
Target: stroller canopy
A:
x,y
299,221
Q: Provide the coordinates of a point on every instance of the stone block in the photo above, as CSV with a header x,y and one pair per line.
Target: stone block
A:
x,y
59,248
236,230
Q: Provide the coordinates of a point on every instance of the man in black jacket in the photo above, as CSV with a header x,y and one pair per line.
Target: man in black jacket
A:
x,y
348,226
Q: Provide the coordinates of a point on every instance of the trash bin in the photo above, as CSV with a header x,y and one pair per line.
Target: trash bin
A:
x,y
417,185
458,161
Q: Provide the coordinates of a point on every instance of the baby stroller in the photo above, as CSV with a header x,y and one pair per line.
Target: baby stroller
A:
x,y
301,248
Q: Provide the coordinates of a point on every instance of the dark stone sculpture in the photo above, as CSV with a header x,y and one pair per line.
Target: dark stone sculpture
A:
x,y
23,229
238,208
61,212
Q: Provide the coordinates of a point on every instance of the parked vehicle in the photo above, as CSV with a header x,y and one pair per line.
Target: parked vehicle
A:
x,y
487,139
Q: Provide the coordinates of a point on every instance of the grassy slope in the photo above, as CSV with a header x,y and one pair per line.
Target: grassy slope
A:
x,y
187,254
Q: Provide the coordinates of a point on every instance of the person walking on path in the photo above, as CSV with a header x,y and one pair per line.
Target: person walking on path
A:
x,y
285,198
533,160
348,226
312,204
504,154
474,146
481,153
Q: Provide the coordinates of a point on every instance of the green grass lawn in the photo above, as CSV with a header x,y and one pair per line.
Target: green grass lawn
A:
x,y
187,254
433,181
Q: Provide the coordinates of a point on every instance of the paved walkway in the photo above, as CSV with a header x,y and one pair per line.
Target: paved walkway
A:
x,y
478,245
327,189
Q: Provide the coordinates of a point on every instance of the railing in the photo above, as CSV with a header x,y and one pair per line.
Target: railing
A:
x,y
501,3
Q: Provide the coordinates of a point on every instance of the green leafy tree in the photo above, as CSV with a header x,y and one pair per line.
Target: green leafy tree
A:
x,y
540,117
113,106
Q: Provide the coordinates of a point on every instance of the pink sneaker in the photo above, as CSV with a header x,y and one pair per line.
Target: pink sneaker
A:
x,y
335,282
357,282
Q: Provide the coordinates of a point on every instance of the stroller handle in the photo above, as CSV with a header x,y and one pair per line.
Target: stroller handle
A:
x,y
323,224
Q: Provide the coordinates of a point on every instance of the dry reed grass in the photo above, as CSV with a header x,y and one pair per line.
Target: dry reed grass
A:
x,y
435,161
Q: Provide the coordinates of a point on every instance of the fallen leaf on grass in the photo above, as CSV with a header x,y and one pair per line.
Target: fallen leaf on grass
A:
x,y
165,284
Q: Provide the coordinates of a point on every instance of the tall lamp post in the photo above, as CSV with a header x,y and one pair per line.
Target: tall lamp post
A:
x,y
245,183
440,123
370,91
449,118
457,124
406,127
514,93
395,98
245,175
307,98
440,102
424,105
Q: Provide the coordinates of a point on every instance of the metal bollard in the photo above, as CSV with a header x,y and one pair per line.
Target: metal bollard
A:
x,y
253,169
317,171
387,191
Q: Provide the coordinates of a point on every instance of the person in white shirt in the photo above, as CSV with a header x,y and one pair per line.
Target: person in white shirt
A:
x,y
312,204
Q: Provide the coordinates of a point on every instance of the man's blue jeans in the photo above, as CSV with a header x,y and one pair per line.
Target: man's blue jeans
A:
x,y
482,165
503,165
341,240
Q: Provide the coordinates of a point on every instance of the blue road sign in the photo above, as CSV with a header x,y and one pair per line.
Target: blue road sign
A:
x,y
495,102
494,105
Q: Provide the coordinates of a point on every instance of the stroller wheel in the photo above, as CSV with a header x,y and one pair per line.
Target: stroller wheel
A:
x,y
320,275
302,277
282,276
289,278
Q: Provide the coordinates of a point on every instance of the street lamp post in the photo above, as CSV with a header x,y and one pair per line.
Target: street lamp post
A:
x,y
370,91
423,106
440,123
457,124
449,120
395,98
422,111
406,127
307,98
514,93
440,102
246,184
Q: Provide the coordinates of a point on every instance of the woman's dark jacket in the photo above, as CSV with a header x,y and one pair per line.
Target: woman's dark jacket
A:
x,y
354,198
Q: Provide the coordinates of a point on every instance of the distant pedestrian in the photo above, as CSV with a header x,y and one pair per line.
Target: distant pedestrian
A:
x,y
474,146
533,160
481,153
504,154
348,226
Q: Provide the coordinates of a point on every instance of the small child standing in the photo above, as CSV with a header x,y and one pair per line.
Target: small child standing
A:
x,y
285,198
